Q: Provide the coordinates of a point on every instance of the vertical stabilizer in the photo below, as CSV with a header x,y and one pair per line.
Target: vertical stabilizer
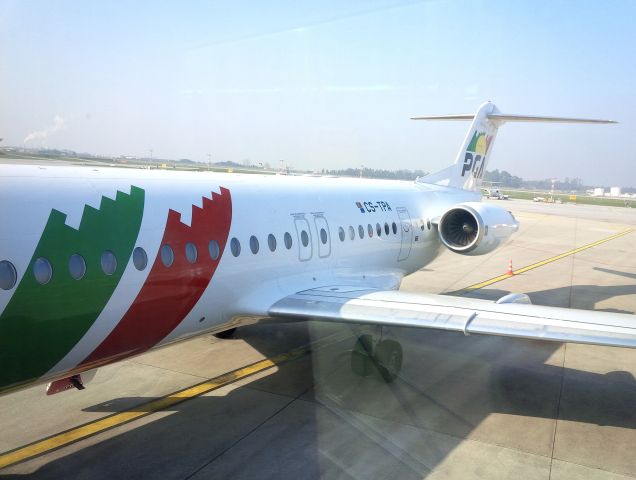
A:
x,y
470,164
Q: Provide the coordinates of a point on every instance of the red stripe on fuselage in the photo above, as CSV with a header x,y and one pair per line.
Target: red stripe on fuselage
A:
x,y
169,293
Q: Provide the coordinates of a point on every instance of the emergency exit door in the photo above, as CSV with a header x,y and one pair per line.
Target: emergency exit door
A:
x,y
407,233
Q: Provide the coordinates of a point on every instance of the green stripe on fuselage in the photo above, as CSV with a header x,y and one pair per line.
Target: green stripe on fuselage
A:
x,y
42,323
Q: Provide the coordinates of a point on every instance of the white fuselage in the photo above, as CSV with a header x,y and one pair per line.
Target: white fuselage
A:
x,y
246,285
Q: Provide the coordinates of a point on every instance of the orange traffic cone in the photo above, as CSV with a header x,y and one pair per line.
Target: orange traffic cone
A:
x,y
510,272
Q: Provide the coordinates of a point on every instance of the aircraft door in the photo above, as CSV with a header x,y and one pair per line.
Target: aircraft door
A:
x,y
407,233
324,235
303,238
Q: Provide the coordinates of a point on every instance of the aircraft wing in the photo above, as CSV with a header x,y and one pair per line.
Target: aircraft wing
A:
x,y
507,317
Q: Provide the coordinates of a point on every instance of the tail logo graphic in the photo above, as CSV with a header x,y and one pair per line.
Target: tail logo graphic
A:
x,y
475,158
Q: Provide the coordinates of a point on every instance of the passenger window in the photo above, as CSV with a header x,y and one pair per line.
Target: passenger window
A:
x,y
271,242
352,232
288,240
8,275
386,228
213,248
304,238
235,247
140,259
323,236
191,252
370,230
42,271
378,229
109,262
167,255
394,227
341,234
76,266
361,231
254,244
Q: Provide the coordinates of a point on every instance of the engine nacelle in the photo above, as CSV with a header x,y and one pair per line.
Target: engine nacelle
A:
x,y
475,228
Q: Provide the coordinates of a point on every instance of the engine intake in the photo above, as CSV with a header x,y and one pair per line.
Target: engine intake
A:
x,y
459,229
475,228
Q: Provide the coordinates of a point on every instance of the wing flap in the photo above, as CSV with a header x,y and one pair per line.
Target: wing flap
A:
x,y
470,316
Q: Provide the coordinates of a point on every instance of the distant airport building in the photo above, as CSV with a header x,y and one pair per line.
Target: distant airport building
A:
x,y
615,191
598,192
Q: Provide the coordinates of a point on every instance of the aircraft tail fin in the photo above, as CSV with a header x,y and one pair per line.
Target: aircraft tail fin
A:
x,y
470,164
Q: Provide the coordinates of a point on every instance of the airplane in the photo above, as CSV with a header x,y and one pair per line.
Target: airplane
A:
x,y
98,265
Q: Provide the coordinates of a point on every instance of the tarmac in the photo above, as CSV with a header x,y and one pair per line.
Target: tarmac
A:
x,y
462,407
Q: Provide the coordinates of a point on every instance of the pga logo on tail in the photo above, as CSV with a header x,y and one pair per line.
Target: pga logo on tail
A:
x,y
475,158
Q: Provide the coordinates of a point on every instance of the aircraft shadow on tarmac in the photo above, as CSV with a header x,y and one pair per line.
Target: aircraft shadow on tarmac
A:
x,y
616,272
314,418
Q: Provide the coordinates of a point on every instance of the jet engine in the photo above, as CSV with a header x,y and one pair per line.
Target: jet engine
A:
x,y
475,228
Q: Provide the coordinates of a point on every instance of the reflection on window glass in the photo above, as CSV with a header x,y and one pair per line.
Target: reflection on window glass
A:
x,y
76,266
140,259
308,105
191,252
108,262
213,248
235,247
8,275
167,255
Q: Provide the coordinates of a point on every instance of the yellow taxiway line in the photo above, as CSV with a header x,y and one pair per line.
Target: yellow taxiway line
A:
x,y
89,429
499,278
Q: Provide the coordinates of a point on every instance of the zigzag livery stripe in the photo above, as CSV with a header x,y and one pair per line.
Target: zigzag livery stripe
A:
x,y
170,291
42,322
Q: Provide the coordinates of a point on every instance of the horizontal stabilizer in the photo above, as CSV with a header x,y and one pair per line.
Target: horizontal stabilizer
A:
x,y
502,118
470,164
467,116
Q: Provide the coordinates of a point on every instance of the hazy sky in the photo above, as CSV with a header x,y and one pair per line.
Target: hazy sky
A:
x,y
323,84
